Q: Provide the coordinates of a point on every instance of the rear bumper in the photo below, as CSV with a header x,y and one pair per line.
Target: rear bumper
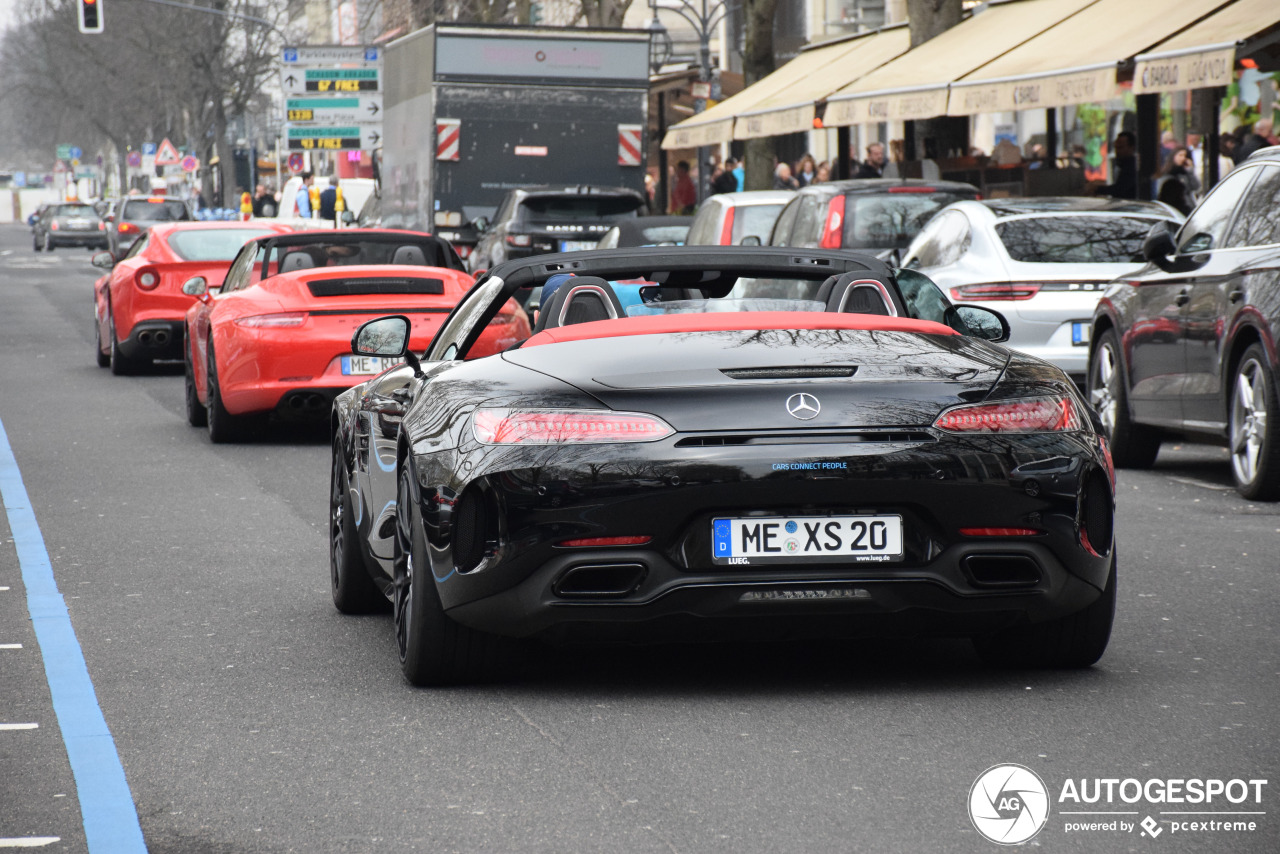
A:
x,y
154,339
71,238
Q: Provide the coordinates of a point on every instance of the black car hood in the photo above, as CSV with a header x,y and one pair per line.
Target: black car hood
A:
x,y
742,380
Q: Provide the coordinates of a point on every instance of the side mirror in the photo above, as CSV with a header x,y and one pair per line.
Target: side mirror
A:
x,y
103,260
387,337
481,224
196,286
750,240
1158,246
110,217
348,217
984,323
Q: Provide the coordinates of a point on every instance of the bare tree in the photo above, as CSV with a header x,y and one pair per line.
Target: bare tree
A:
x,y
604,13
926,19
758,63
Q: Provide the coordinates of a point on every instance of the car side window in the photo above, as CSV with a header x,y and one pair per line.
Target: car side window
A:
x,y
610,239
782,228
138,245
924,300
240,269
949,237
703,230
1257,223
1206,228
808,228
447,345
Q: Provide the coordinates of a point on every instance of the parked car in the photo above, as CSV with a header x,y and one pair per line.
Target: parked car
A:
x,y
705,467
130,217
139,305
727,219
68,224
1188,343
540,220
647,231
276,337
876,215
1043,262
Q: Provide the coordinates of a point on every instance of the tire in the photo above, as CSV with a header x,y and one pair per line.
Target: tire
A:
x,y
1253,430
1074,641
121,365
48,242
434,650
35,242
349,581
197,415
1133,446
223,426
103,359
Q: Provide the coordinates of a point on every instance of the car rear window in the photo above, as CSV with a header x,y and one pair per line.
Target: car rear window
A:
x,y
1075,239
74,210
169,210
213,244
594,208
665,233
892,220
754,220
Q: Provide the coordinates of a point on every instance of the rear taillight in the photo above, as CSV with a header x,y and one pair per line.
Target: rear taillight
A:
x,y
555,427
519,240
1000,532
831,232
464,252
596,542
284,319
1030,415
128,228
53,225
147,278
726,230
1005,291
102,226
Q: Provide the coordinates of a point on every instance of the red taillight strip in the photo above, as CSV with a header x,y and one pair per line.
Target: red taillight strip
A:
x,y
1000,532
726,231
556,427
832,231
1030,415
994,292
595,542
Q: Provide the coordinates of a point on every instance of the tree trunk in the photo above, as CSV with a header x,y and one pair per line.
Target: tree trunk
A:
x,y
926,19
757,63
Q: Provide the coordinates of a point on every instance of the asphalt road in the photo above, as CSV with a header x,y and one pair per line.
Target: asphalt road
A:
x,y
249,716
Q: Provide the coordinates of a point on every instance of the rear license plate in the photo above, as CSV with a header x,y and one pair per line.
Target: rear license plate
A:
x,y
1079,333
353,366
576,245
806,539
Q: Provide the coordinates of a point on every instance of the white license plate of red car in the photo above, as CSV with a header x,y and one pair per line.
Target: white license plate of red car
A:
x,y
360,366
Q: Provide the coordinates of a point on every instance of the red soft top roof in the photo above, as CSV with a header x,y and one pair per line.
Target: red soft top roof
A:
x,y
740,321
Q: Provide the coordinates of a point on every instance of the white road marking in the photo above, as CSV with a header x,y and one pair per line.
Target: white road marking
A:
x,y
29,841
10,646
4,727
2,589
1191,481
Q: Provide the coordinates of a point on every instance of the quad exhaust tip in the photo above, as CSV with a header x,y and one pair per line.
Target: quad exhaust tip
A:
x,y
600,581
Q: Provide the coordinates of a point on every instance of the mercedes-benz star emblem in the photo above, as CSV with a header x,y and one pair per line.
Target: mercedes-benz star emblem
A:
x,y
803,406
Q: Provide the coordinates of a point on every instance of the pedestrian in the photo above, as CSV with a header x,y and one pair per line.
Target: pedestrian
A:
x,y
1179,168
1258,138
874,165
739,172
782,178
302,202
329,200
823,174
1125,163
684,196
723,181
805,170
264,204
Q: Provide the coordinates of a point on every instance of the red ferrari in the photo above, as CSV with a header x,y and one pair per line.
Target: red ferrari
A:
x,y
276,338
139,307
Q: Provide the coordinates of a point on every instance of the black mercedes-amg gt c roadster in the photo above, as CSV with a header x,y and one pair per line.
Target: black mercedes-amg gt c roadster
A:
x,y
718,443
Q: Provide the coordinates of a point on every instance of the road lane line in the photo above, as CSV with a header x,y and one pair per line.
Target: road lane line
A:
x,y
106,804
29,841
10,646
8,727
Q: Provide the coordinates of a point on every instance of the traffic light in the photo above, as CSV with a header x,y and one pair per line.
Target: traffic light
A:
x,y
90,16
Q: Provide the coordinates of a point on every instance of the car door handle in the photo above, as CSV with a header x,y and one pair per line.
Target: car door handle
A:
x,y
1182,298
1236,295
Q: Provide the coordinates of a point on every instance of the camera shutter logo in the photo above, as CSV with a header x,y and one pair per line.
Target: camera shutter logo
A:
x,y
1008,804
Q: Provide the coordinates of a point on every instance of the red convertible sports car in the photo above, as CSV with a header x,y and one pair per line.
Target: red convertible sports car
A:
x,y
139,306
277,336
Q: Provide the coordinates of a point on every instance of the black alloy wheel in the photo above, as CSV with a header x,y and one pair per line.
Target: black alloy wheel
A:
x,y
1074,641
101,355
223,426
1252,428
353,589
197,415
121,365
1133,446
434,649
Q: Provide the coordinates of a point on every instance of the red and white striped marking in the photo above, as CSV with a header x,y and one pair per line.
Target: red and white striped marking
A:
x,y
448,134
629,145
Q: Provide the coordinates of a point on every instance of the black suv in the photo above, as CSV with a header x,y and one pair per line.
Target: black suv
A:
x,y
68,224
1187,344
539,220
131,217
876,215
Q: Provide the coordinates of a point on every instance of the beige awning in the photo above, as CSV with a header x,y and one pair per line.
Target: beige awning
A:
x,y
914,85
791,108
1074,61
1203,55
716,124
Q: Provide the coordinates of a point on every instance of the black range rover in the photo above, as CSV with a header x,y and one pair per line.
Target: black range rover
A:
x,y
539,220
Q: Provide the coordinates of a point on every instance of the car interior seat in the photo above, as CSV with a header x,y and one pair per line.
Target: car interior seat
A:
x,y
409,255
298,260
853,293
581,300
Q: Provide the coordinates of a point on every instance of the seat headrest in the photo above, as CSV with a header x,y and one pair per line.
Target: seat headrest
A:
x,y
854,293
297,261
582,299
409,255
